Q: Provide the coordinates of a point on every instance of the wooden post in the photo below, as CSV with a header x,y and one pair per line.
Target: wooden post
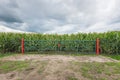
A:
x,y
97,46
22,46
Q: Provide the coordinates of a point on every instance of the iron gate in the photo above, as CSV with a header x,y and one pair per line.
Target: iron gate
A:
x,y
83,46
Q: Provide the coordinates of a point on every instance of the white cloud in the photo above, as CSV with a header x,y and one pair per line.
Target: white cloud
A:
x,y
62,29
102,27
60,16
6,29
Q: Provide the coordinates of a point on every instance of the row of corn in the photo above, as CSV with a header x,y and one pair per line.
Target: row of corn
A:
x,y
109,41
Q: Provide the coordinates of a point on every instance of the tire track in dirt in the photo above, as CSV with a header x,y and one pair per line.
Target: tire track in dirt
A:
x,y
56,67
85,58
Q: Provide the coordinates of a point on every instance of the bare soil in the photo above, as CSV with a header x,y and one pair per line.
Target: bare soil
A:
x,y
50,67
64,58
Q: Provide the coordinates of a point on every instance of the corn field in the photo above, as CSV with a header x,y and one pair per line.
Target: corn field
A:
x,y
109,41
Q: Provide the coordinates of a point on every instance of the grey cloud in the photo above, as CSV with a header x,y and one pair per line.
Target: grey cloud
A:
x,y
10,18
8,11
62,16
13,4
114,21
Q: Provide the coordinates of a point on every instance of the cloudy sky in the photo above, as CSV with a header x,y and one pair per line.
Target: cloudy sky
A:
x,y
59,16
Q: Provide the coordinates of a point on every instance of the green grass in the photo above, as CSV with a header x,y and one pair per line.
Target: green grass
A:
x,y
7,54
42,66
71,78
93,70
7,66
89,70
117,57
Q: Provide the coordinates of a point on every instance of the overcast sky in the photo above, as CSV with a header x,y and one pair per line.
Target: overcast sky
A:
x,y
59,16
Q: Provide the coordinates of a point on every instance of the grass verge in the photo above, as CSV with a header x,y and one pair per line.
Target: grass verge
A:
x,y
7,66
117,57
96,70
7,54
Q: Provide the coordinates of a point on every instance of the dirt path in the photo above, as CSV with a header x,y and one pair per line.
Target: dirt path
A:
x,y
59,57
50,67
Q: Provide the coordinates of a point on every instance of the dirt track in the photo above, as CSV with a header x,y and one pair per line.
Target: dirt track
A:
x,y
59,57
50,67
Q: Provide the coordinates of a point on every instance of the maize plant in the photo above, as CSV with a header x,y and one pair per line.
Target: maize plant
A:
x,y
109,42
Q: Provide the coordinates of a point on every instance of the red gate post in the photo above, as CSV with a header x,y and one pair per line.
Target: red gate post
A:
x,y
97,46
22,46
59,46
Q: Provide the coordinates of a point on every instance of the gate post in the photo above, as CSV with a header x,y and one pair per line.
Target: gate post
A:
x,y
22,45
97,46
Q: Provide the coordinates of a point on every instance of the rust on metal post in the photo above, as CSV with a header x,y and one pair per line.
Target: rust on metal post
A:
x,y
59,45
22,45
97,46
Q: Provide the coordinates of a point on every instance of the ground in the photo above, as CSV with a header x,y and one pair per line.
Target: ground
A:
x,y
59,67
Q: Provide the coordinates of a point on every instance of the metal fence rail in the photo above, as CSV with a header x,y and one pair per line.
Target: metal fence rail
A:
x,y
83,46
